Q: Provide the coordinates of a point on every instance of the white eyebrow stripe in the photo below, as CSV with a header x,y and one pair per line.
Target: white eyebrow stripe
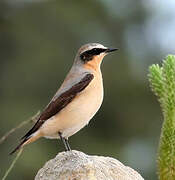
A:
x,y
92,46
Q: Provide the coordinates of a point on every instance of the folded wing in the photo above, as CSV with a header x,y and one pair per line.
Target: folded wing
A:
x,y
58,103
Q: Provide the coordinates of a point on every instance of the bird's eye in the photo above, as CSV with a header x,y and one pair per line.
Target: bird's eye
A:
x,y
96,51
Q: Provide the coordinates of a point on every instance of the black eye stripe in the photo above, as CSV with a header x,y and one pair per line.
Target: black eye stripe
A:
x,y
95,51
88,55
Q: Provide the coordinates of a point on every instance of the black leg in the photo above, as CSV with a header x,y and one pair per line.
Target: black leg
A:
x,y
65,142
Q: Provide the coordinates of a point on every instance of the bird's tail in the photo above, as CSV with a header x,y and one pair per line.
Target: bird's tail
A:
x,y
19,146
25,141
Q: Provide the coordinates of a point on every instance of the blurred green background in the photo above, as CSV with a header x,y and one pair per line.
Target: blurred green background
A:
x,y
38,42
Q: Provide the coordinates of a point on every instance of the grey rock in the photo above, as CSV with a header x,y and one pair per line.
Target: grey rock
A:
x,y
75,165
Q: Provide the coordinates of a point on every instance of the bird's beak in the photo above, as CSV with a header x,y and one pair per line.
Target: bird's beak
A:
x,y
111,50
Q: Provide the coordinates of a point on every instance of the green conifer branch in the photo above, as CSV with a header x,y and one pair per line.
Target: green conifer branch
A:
x,y
162,81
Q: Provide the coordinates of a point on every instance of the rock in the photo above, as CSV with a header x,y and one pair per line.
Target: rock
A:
x,y
75,165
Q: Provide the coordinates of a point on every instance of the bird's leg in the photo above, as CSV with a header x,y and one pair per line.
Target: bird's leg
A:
x,y
65,142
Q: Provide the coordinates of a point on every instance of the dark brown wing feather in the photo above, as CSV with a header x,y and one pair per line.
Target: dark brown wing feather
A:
x,y
59,103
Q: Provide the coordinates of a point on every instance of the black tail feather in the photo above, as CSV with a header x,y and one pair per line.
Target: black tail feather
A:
x,y
30,132
19,146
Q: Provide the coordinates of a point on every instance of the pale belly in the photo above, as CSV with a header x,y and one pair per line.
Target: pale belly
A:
x,y
76,114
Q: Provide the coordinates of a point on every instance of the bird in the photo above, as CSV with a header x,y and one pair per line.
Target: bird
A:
x,y
76,101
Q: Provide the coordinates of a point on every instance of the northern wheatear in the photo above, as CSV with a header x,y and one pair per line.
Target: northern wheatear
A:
x,y
76,101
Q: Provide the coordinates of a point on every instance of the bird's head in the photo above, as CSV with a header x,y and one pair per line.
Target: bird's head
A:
x,y
91,55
